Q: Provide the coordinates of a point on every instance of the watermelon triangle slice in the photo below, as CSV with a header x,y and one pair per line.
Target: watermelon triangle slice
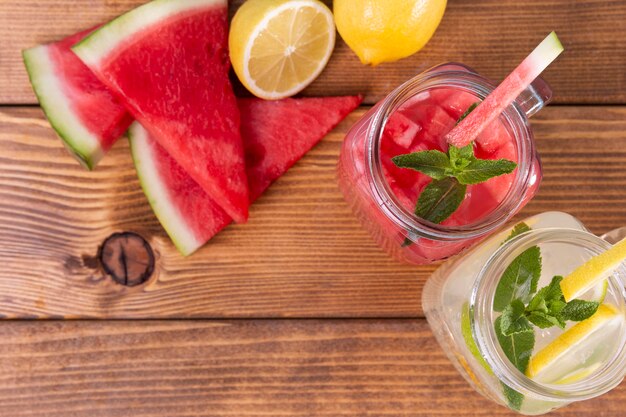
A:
x,y
82,111
276,134
168,62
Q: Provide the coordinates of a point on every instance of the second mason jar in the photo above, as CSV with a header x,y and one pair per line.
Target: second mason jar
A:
x,y
462,301
381,198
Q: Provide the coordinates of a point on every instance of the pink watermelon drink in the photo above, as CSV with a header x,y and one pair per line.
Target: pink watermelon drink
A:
x,y
420,125
417,117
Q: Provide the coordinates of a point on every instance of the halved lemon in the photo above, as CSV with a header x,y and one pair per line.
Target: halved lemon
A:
x,y
572,352
593,272
278,47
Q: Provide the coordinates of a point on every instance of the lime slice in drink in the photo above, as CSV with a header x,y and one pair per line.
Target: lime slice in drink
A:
x,y
593,272
570,353
466,330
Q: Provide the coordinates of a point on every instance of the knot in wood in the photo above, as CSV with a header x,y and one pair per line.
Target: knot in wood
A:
x,y
127,258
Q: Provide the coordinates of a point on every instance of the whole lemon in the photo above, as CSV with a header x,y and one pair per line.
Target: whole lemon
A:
x,y
387,30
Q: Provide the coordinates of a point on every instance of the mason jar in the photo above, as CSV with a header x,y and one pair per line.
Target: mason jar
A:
x,y
396,228
458,301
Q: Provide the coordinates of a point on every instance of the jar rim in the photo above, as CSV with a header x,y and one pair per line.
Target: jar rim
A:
x,y
439,77
481,319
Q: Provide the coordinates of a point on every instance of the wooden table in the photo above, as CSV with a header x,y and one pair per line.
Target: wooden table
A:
x,y
296,313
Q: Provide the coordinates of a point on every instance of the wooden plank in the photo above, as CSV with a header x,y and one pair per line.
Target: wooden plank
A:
x,y
490,35
301,255
241,368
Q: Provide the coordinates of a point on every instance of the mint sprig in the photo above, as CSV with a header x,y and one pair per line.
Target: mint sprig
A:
x,y
519,280
451,173
440,199
433,163
546,309
517,230
523,307
518,348
481,170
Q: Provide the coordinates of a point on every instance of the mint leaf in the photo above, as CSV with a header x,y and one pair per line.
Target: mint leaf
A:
x,y
440,199
556,306
433,163
538,303
579,310
460,158
517,347
468,111
547,304
544,320
480,170
518,229
519,280
553,290
549,299
513,397
514,319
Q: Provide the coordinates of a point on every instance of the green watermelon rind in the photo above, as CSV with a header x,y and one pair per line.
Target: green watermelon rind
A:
x,y
57,107
157,194
101,43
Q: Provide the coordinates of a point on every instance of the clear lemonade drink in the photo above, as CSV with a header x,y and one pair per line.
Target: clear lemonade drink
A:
x,y
557,350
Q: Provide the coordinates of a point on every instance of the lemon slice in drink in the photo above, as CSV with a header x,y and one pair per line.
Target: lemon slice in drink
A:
x,y
593,272
570,354
278,47
578,374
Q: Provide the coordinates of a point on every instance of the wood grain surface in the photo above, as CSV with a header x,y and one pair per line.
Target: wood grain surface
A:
x,y
241,368
489,35
302,254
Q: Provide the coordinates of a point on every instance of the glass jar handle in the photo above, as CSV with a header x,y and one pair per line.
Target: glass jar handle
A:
x,y
535,97
614,235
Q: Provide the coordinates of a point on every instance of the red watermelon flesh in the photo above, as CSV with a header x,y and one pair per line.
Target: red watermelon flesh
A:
x,y
277,133
171,72
188,214
80,108
184,209
96,106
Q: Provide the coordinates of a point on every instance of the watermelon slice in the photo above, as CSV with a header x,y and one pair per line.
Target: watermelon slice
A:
x,y
508,90
276,134
82,111
168,62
